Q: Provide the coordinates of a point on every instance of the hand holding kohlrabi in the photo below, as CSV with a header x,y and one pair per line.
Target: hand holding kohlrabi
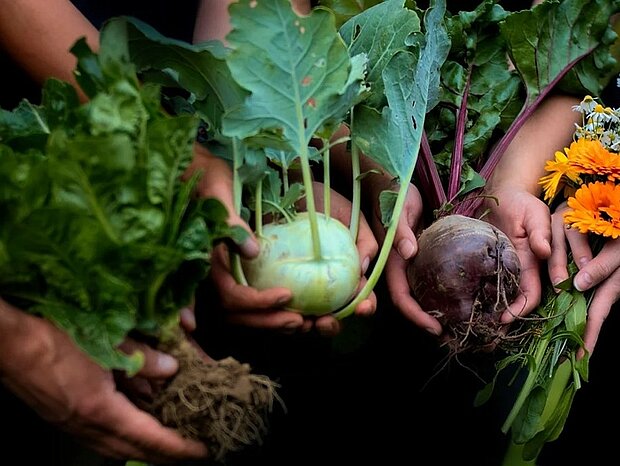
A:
x,y
284,82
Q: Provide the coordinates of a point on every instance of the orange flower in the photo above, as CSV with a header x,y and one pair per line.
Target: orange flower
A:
x,y
595,209
591,157
560,169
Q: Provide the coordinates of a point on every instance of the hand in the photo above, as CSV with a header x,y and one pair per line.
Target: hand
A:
x,y
267,308
601,271
43,367
526,220
404,248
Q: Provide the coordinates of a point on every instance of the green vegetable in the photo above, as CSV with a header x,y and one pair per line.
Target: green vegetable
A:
x,y
98,233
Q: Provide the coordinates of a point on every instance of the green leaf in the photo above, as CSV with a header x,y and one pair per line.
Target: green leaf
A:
x,y
527,423
380,32
296,69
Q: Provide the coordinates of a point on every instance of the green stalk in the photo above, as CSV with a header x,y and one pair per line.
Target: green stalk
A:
x,y
326,179
310,205
541,349
560,379
381,259
259,208
235,259
357,188
514,456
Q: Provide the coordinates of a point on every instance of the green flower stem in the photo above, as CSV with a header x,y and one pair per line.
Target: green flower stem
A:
x,y
381,259
259,208
514,456
541,349
326,179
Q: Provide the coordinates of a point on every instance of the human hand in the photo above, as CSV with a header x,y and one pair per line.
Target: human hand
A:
x,y
404,248
266,309
43,367
601,271
526,220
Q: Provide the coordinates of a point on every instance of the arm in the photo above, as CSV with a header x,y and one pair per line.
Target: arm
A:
x,y
39,33
514,184
42,366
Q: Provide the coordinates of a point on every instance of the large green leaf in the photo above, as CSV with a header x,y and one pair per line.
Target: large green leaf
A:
x,y
296,68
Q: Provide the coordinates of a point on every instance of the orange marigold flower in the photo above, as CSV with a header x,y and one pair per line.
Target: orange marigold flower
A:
x,y
591,157
596,209
560,169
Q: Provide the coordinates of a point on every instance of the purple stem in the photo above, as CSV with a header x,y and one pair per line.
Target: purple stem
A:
x,y
428,176
473,201
456,162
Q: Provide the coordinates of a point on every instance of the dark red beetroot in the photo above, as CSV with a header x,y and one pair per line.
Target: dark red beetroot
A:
x,y
466,273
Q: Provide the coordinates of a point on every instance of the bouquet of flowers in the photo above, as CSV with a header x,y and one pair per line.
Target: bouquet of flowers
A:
x,y
550,356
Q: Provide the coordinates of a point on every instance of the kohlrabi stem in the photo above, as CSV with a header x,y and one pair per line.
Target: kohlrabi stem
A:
x,y
235,259
381,259
258,220
326,179
357,187
150,301
310,206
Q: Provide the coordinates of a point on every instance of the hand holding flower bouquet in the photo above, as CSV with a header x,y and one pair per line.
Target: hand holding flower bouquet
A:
x,y
583,184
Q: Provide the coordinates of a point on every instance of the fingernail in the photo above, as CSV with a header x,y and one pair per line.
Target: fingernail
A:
x,y
167,363
432,331
405,248
582,281
250,248
583,261
282,300
292,325
365,264
188,318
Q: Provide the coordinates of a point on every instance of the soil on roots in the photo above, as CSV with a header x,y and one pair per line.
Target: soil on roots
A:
x,y
221,403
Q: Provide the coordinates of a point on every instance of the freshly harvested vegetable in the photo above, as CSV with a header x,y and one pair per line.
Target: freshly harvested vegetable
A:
x,y
286,259
466,275
286,81
484,100
101,235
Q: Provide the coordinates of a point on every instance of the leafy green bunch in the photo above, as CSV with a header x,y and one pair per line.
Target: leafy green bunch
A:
x,y
99,234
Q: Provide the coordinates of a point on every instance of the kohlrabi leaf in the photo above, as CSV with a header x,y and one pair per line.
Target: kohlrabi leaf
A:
x,y
199,69
393,137
380,32
346,9
297,68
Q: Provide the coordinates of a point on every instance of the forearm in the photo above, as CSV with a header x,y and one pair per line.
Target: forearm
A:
x,y
548,130
38,34
213,21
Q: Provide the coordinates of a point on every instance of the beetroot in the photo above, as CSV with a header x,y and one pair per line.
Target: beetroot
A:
x,y
468,288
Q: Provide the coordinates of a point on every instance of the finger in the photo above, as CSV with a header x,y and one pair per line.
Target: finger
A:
x,y
144,432
367,306
156,363
401,296
367,245
602,301
217,182
187,317
285,321
579,246
240,298
328,326
530,289
538,229
557,265
594,271
404,240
